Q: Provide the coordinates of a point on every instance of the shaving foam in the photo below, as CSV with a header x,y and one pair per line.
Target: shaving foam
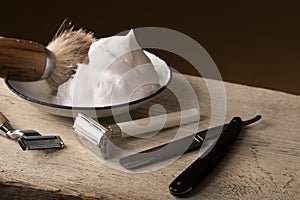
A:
x,y
117,71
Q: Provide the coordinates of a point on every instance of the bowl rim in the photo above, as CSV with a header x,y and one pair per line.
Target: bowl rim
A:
x,y
66,107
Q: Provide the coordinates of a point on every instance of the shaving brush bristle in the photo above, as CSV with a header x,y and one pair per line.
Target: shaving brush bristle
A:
x,y
69,48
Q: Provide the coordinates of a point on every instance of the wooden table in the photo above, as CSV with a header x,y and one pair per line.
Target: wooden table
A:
x,y
264,163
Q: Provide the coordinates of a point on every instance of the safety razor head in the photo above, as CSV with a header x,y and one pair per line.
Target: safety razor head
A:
x,y
93,135
32,140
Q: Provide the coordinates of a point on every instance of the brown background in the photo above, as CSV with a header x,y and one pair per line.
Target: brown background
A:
x,y
252,42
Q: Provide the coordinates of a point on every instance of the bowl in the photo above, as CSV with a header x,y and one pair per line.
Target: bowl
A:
x,y
35,94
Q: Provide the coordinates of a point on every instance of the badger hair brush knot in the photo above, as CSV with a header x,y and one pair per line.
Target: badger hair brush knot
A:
x,y
24,60
70,47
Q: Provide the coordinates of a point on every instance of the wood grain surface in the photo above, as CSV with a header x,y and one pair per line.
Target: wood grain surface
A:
x,y
264,163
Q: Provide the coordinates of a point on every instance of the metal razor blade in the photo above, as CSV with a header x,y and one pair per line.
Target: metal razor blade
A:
x,y
29,139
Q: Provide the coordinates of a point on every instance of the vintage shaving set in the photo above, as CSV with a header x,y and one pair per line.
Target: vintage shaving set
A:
x,y
58,61
98,138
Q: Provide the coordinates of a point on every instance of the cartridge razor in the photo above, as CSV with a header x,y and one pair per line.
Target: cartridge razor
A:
x,y
29,139
99,139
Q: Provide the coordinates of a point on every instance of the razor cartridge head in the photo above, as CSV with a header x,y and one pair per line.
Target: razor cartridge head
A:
x,y
32,140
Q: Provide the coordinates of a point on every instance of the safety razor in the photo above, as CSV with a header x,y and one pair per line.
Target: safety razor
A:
x,y
98,138
29,139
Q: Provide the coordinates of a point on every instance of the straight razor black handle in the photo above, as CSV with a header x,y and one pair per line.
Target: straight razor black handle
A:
x,y
200,168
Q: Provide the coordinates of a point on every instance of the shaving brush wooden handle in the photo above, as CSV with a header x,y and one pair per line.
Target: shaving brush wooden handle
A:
x,y
3,119
23,60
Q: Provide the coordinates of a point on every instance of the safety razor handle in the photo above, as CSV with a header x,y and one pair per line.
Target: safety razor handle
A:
x,y
4,125
154,123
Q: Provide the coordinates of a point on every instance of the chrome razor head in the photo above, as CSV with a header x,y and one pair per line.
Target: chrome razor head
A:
x,y
29,139
32,140
93,135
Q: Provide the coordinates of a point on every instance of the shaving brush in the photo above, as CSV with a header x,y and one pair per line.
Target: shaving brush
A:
x,y
23,60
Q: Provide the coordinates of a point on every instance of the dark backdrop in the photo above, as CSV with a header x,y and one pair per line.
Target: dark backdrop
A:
x,y
252,42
